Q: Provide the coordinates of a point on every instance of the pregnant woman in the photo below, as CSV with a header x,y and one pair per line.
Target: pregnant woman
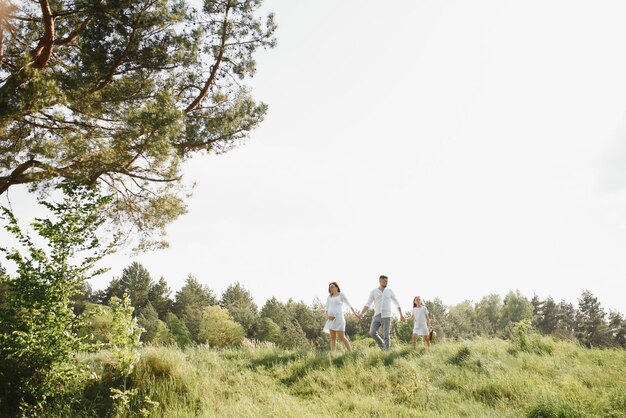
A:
x,y
336,323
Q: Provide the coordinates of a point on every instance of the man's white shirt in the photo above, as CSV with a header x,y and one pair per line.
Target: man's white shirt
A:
x,y
382,301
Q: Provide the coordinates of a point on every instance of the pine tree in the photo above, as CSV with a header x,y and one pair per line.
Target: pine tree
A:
x,y
548,320
121,92
566,320
155,330
179,330
617,328
592,329
159,297
189,303
135,282
291,333
240,305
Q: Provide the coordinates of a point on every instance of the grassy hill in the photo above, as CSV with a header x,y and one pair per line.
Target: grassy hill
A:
x,y
479,378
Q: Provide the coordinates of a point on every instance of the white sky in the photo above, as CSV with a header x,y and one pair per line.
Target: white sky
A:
x,y
461,148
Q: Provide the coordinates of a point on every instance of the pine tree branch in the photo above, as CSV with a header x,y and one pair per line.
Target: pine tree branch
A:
x,y
43,52
215,65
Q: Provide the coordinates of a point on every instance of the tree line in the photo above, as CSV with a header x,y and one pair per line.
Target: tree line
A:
x,y
196,315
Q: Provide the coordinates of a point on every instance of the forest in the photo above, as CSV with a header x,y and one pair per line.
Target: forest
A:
x,y
196,315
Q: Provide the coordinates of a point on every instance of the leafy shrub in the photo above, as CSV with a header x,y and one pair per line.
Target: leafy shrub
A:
x,y
526,339
403,330
268,330
156,331
124,344
179,330
38,328
96,323
218,329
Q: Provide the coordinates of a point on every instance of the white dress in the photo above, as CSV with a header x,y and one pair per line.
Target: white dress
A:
x,y
334,307
420,327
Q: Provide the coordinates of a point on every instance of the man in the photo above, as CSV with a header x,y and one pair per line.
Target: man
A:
x,y
382,298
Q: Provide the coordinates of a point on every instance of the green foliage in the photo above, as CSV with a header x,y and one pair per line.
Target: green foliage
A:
x,y
38,328
361,328
218,329
459,321
269,331
310,319
124,345
403,331
82,297
241,307
591,327
179,331
617,328
290,334
155,331
516,308
95,324
437,314
121,92
527,340
566,322
488,313
546,315
193,294
135,282
190,301
159,297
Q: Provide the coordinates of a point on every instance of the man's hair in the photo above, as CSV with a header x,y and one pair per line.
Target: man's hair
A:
x,y
383,277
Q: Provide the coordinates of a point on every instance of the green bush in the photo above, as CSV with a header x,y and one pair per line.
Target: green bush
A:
x,y
96,323
526,339
38,328
218,329
179,330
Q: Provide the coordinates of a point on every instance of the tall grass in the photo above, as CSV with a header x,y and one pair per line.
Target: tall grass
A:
x,y
482,377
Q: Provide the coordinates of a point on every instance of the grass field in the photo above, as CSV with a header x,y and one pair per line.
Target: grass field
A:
x,y
478,378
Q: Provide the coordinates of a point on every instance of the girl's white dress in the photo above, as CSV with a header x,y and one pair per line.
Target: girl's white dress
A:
x,y
334,307
420,327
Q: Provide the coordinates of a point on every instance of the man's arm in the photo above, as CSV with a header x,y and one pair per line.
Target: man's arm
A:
x,y
367,304
400,312
395,300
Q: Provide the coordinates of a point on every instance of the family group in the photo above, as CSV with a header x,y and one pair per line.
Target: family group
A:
x,y
381,298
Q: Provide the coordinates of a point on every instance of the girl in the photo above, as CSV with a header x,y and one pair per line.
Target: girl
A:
x,y
422,321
